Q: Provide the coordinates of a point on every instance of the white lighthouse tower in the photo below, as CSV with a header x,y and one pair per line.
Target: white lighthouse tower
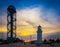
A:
x,y
39,35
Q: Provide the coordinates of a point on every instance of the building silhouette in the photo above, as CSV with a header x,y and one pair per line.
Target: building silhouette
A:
x,y
39,35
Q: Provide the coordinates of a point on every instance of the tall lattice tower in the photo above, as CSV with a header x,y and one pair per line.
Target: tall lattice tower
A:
x,y
11,22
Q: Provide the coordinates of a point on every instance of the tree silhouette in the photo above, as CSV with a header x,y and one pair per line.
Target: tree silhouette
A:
x,y
45,41
57,40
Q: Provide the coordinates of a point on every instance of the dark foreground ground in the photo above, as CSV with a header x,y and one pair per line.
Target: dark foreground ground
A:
x,y
29,45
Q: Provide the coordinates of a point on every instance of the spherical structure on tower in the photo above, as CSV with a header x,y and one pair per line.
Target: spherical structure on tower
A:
x,y
11,9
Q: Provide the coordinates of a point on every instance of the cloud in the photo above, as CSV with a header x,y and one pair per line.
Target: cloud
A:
x,y
51,17
29,18
48,19
36,16
30,15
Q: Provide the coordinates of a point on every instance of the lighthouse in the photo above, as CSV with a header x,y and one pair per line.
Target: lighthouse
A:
x,y
39,35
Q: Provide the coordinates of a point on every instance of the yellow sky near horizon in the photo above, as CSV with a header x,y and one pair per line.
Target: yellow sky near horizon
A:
x,y
25,31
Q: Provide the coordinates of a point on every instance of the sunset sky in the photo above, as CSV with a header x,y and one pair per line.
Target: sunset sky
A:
x,y
30,14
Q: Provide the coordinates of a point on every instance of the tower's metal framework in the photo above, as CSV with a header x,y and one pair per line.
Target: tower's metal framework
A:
x,y
11,22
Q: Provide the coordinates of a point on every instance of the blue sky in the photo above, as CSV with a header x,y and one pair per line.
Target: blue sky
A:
x,y
27,3
19,4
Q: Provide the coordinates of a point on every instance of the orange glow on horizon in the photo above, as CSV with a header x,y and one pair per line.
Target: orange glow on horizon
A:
x,y
27,40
